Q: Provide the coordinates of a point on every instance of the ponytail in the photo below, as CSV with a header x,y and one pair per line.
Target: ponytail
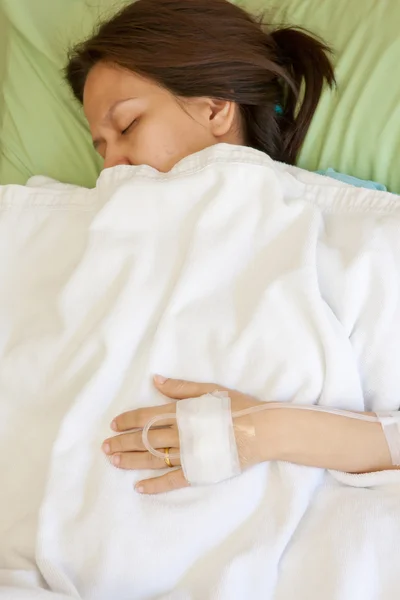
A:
x,y
305,59
214,48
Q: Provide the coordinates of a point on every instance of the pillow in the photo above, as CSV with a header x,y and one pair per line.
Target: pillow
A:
x,y
356,129
42,128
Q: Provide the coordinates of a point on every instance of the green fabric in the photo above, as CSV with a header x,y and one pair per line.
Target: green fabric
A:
x,y
356,130
43,130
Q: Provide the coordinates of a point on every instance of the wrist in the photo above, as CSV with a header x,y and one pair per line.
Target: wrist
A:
x,y
323,440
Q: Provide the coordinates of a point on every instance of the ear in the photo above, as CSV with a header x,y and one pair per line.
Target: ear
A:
x,y
217,116
221,116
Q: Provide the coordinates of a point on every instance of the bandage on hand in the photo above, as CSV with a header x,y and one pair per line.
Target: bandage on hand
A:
x,y
218,443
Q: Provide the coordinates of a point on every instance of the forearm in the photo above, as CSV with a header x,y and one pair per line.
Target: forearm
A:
x,y
329,441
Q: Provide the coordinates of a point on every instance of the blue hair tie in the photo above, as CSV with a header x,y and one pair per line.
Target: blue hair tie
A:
x,y
278,109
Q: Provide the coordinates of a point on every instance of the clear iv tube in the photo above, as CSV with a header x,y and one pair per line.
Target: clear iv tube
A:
x,y
145,434
253,409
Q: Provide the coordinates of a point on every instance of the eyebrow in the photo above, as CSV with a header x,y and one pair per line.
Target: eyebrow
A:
x,y
108,116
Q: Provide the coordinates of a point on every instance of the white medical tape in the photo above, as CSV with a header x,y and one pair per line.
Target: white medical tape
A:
x,y
390,423
207,440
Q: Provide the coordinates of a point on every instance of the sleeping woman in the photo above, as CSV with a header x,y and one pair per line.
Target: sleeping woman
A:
x,y
163,80
208,314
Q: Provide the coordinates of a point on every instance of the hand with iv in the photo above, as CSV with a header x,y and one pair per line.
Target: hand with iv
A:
x,y
127,450
209,434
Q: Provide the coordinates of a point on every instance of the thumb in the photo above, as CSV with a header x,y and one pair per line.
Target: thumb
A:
x,y
180,390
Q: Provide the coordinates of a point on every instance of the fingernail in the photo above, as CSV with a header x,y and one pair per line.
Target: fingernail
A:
x,y
160,379
139,489
114,425
116,459
106,448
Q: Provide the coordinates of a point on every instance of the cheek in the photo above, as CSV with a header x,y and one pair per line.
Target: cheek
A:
x,y
163,142
154,144
175,142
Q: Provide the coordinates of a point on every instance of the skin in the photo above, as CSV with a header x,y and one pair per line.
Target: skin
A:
x,y
302,437
134,121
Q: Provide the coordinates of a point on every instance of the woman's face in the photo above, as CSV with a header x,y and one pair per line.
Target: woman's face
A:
x,y
134,121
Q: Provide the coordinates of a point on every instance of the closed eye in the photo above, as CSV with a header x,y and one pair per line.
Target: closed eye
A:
x,y
126,130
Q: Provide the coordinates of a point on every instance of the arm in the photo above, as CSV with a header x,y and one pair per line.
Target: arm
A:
x,y
359,279
303,437
328,441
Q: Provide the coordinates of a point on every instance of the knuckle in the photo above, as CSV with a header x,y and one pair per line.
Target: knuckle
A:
x,y
153,461
115,444
174,479
180,384
123,443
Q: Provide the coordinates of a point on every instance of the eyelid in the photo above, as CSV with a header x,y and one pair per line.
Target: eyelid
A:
x,y
129,126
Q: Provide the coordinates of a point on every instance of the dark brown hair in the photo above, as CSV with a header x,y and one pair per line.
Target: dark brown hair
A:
x,y
215,49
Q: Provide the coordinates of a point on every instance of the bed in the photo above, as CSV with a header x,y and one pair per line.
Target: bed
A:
x,y
356,130
125,289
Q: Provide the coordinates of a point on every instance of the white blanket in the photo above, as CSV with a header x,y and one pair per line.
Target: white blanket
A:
x,y
232,269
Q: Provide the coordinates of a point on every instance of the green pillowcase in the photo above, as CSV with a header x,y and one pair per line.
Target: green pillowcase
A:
x,y
357,128
43,131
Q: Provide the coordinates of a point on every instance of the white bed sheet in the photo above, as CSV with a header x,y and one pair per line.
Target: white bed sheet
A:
x,y
233,269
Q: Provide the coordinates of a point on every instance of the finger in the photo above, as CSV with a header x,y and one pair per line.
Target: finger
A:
x,y
135,419
180,389
133,442
143,460
173,480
